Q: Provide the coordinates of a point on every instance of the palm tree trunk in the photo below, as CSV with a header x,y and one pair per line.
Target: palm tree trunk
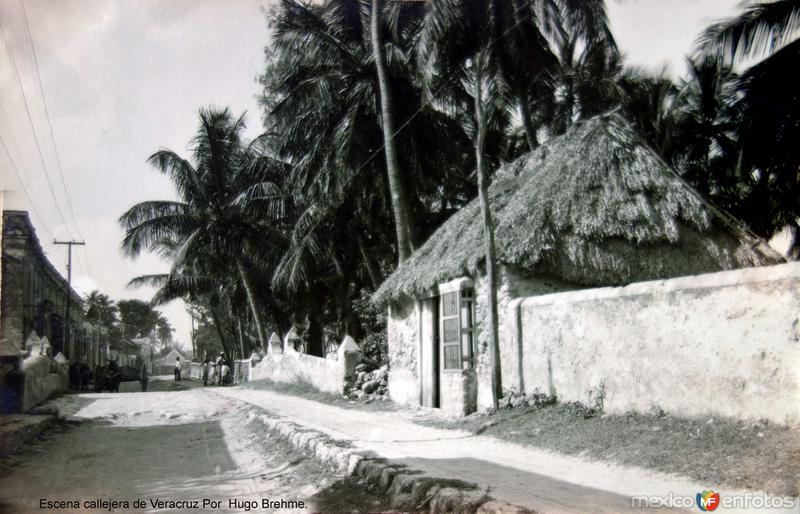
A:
x,y
97,352
400,206
369,263
251,299
220,333
241,339
488,238
194,345
530,132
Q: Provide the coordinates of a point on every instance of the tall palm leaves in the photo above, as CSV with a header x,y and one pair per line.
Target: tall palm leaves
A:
x,y
323,69
706,113
768,104
762,29
100,309
324,114
230,213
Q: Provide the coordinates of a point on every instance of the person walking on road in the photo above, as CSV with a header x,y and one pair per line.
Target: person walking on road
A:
x,y
220,362
143,378
205,372
177,369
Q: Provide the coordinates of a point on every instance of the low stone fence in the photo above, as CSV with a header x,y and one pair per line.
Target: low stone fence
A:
x,y
40,383
725,344
241,371
191,370
325,374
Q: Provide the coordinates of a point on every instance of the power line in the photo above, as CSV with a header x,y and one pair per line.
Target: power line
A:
x,y
33,127
87,268
9,154
47,117
24,189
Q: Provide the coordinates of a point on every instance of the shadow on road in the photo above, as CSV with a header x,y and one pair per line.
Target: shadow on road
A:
x,y
97,460
525,488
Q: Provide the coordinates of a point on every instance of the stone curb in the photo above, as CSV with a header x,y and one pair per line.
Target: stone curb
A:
x,y
409,490
17,430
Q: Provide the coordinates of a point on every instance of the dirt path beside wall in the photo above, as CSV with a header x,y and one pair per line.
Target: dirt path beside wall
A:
x,y
186,446
538,479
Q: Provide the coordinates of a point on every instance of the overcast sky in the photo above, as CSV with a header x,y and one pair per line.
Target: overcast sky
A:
x,y
123,78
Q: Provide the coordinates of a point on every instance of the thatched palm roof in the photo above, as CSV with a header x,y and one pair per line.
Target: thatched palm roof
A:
x,y
594,207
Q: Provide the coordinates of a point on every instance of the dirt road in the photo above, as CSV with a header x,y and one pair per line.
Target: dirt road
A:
x,y
179,451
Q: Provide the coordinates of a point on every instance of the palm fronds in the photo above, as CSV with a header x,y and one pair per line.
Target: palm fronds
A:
x,y
760,30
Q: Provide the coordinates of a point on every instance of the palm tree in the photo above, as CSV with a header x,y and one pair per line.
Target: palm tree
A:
x,y
487,55
207,290
164,331
322,65
442,43
768,107
102,310
323,68
230,210
706,122
402,220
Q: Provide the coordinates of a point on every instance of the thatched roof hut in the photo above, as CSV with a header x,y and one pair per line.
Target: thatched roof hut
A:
x,y
594,207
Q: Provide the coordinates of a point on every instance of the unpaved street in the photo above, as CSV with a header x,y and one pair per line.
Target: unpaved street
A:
x,y
169,447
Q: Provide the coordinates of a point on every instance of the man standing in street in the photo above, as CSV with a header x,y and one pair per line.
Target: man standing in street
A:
x,y
177,369
143,378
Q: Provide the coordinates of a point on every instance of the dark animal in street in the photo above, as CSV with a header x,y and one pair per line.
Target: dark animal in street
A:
x,y
108,378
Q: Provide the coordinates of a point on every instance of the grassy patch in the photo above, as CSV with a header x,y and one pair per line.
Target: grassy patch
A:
x,y
720,451
352,494
713,451
305,390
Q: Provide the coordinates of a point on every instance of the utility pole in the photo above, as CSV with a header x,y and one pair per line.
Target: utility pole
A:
x,y
65,335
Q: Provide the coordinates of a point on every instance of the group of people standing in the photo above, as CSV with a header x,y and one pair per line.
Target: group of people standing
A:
x,y
216,372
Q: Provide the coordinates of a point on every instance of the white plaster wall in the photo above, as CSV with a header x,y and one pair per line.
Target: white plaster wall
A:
x,y
458,392
403,343
191,370
40,384
512,285
716,344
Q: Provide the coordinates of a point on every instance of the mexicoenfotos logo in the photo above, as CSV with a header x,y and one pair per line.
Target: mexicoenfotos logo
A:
x,y
708,501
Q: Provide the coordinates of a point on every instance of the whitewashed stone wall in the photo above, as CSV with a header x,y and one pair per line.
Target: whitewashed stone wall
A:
x,y
327,375
458,395
512,285
724,344
191,370
40,384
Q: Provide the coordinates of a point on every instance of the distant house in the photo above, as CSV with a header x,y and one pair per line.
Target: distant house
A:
x,y
593,207
166,364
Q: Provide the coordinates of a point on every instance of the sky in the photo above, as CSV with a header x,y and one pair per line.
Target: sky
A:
x,y
119,79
